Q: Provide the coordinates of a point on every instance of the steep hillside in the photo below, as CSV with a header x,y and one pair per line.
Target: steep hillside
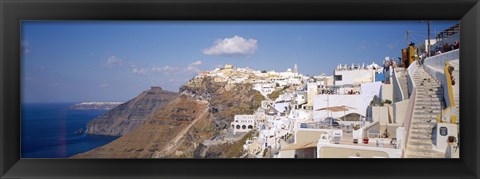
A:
x,y
181,128
225,100
130,115
164,129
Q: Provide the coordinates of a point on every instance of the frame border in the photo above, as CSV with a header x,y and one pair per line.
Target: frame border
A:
x,y
12,12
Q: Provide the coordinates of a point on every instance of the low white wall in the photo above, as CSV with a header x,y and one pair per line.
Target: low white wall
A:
x,y
411,70
348,151
412,90
397,88
441,141
438,61
387,92
380,114
399,110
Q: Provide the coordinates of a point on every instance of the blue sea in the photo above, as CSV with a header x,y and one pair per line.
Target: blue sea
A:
x,y
48,131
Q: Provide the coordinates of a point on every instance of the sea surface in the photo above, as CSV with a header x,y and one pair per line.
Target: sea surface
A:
x,y
48,131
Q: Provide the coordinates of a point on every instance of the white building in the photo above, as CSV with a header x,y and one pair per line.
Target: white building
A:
x,y
264,88
351,75
243,123
359,102
312,90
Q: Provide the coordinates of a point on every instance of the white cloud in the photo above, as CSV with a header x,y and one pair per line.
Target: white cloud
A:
x,y
193,67
113,61
104,85
198,62
168,70
232,46
140,71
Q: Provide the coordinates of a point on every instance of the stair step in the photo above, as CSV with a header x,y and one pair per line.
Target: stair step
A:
x,y
413,148
428,107
427,84
421,138
425,119
428,102
421,124
429,154
423,116
426,114
429,89
422,132
423,103
419,143
422,128
435,92
427,110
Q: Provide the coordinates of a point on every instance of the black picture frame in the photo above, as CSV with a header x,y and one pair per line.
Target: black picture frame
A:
x,y
12,12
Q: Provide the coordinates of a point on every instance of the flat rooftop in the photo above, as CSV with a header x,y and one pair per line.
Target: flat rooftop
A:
x,y
347,139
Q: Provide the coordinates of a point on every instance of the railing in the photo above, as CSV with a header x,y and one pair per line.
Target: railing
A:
x,y
438,61
412,88
411,70
368,127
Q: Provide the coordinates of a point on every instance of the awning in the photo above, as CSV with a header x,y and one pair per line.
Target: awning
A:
x,y
336,108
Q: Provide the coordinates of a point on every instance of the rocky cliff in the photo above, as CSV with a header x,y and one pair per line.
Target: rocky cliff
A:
x,y
196,124
225,100
159,134
130,115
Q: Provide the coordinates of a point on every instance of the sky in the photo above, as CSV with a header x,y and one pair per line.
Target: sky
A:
x,y
76,61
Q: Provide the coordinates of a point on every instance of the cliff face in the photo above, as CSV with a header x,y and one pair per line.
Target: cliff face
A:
x,y
225,100
193,125
160,133
130,115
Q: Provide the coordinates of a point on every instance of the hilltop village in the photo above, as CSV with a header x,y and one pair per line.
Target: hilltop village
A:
x,y
381,111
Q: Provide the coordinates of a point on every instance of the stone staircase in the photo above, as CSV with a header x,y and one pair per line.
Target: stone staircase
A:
x,y
428,104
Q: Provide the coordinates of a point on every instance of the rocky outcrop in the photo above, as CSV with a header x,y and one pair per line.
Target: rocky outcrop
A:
x,y
130,115
180,128
171,125
225,100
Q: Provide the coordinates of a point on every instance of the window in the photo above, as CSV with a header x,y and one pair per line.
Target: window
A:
x,y
244,127
337,77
